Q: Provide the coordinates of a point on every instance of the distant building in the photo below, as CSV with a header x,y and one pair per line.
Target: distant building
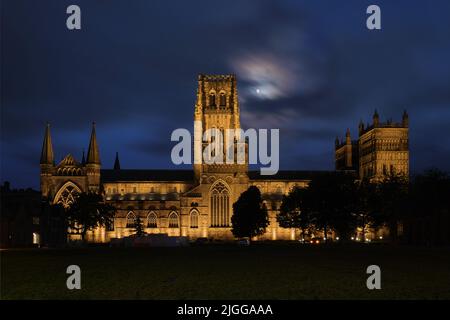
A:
x,y
381,149
20,217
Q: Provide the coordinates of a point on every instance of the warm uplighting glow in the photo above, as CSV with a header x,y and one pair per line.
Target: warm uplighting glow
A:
x,y
35,238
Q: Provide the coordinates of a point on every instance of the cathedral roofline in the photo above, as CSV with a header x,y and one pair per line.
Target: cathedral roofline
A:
x,y
160,175
289,175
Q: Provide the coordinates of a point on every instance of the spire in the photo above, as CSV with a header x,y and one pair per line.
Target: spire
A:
x,y
47,148
93,156
361,127
405,119
83,159
116,162
348,139
376,119
336,142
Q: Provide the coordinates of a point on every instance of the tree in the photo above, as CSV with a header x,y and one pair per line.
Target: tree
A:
x,y
393,201
292,213
329,200
249,214
89,211
139,227
430,208
368,206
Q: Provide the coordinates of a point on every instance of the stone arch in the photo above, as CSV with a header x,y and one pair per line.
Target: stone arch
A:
x,y
131,219
212,99
222,99
152,220
173,220
193,218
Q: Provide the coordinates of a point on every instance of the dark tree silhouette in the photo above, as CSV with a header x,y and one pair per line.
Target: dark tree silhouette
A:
x,y
393,202
292,212
329,201
88,212
249,214
429,218
368,206
138,227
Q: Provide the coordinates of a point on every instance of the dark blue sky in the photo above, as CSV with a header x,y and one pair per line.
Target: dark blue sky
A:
x,y
133,67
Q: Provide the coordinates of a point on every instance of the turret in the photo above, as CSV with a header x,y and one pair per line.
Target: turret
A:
x,y
117,162
47,157
361,127
93,156
348,149
47,162
376,119
93,162
405,119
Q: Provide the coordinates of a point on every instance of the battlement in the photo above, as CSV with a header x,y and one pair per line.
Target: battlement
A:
x,y
216,77
388,124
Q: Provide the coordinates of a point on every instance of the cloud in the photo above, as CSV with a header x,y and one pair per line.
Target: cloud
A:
x,y
311,69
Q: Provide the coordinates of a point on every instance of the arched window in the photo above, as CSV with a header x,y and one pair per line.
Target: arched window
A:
x,y
220,205
131,219
212,99
67,194
223,99
173,220
152,220
194,219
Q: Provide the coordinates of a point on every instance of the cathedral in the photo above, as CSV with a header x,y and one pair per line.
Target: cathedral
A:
x,y
198,203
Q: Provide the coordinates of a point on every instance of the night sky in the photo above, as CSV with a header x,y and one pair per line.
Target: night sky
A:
x,y
310,68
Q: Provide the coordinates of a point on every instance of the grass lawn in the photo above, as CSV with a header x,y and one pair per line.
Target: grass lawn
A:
x,y
261,271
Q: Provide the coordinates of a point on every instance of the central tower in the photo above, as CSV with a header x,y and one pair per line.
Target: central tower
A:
x,y
216,107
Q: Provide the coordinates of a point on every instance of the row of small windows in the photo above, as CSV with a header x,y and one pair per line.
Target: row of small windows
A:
x,y
152,220
152,190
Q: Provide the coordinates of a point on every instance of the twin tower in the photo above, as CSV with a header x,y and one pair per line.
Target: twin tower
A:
x,y
84,174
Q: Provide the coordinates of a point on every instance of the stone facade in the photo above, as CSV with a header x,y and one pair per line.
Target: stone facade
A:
x,y
193,203
382,148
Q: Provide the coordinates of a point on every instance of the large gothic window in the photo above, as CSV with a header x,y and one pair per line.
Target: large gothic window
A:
x,y
131,219
152,220
67,194
173,220
194,219
220,206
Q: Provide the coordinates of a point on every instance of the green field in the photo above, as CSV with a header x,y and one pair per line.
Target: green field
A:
x,y
261,271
